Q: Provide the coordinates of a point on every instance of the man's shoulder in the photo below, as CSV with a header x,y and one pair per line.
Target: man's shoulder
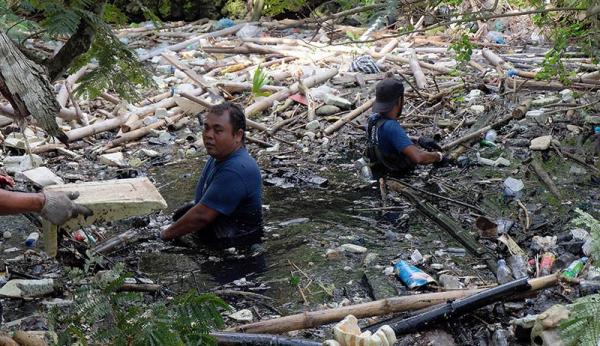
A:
x,y
242,163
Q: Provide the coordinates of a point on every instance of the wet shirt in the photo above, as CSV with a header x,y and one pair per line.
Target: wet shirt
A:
x,y
232,187
391,137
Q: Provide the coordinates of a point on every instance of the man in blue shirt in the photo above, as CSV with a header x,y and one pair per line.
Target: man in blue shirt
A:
x,y
389,148
227,209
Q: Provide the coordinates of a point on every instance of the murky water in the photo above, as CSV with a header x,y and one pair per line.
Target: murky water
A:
x,y
295,254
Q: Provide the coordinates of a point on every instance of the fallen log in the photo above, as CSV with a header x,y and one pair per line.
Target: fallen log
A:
x,y
461,306
309,82
477,133
98,127
448,224
139,287
413,62
312,319
544,177
348,117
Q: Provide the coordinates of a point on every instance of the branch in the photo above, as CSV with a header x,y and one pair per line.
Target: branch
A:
x,y
77,44
465,20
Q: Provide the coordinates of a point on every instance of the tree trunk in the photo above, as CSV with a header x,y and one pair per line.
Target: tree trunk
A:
x,y
26,86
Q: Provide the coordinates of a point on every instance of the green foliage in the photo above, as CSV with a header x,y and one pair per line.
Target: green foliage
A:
x,y
593,225
112,14
582,328
553,64
235,9
118,69
259,80
101,314
463,48
294,280
349,4
275,7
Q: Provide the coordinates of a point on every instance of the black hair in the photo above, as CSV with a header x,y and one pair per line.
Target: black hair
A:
x,y
237,119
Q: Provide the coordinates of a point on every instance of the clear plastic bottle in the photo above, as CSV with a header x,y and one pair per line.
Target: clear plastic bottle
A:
x,y
518,265
491,135
574,268
503,272
364,170
32,239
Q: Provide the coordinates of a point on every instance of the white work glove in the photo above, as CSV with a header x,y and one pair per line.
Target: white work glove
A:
x,y
59,207
347,333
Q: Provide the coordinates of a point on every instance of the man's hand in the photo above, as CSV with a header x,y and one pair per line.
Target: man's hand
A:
x,y
428,143
6,180
446,161
59,207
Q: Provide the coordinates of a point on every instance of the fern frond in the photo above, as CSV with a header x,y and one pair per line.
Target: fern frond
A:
x,y
60,20
586,220
582,327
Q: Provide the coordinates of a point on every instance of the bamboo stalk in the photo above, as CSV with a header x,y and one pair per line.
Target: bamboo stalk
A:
x,y
141,132
413,62
98,127
492,57
309,82
348,117
311,319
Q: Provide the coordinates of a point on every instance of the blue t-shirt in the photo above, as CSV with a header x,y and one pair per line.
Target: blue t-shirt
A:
x,y
232,187
391,137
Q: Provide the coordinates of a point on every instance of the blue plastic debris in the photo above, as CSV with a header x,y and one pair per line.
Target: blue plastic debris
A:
x,y
511,73
410,275
223,23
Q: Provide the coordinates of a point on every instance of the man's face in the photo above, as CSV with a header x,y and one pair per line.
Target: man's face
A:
x,y
218,137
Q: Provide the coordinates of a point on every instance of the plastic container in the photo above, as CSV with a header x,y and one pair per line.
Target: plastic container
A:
x,y
518,265
32,239
491,135
546,263
513,188
410,275
496,37
574,268
365,171
503,272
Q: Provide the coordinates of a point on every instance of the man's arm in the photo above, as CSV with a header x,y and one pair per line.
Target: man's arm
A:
x,y
194,220
19,202
421,157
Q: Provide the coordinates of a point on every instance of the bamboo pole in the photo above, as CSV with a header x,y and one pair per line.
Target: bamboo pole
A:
x,y
182,45
348,117
98,127
309,82
311,319
141,132
69,83
413,62
476,133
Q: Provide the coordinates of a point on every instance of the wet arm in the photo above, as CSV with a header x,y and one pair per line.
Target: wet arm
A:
x,y
421,157
195,219
19,202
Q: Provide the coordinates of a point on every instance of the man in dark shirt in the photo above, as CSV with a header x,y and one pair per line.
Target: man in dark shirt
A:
x,y
227,209
389,148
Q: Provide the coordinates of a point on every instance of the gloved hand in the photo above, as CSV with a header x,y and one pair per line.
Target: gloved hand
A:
x,y
59,207
429,143
6,180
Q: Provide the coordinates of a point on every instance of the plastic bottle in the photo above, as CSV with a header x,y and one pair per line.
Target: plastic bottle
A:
x,y
491,135
518,266
365,170
546,263
410,275
503,272
574,268
32,239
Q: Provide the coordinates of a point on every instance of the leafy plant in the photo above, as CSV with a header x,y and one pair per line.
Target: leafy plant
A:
x,y
259,80
275,7
582,328
587,220
463,48
103,315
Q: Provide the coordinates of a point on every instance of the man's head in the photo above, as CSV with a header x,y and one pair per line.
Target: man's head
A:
x,y
389,97
224,130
